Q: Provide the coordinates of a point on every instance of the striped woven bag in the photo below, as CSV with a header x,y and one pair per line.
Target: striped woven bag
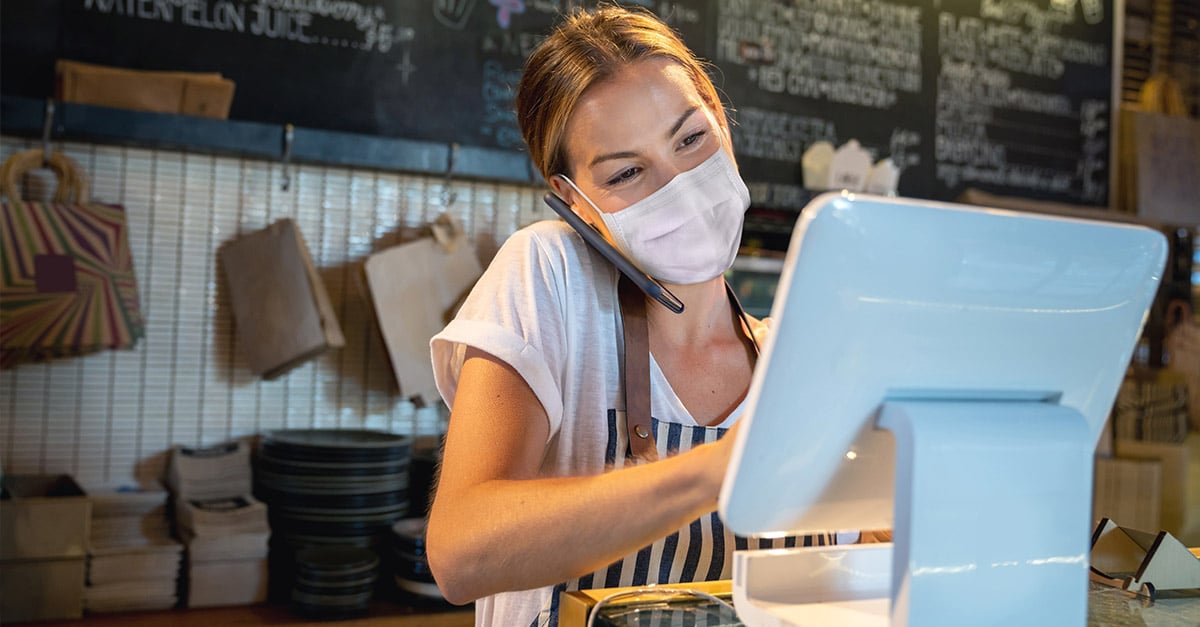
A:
x,y
67,285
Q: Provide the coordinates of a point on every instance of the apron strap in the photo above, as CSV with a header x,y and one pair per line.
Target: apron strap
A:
x,y
635,370
635,367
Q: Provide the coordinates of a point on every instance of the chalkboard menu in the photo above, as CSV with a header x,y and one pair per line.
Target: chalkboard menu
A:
x,y
1010,96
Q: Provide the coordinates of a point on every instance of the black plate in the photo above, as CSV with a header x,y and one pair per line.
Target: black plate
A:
x,y
333,445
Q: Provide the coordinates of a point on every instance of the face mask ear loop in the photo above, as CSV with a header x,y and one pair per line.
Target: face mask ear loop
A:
x,y
578,191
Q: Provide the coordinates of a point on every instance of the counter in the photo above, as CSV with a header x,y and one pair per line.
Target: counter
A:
x,y
1107,607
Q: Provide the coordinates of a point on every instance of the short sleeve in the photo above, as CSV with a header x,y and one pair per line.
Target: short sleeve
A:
x,y
515,312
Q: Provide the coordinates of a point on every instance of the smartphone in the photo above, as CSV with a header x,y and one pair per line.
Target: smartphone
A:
x,y
645,282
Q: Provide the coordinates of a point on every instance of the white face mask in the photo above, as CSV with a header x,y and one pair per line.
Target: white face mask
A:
x,y
689,230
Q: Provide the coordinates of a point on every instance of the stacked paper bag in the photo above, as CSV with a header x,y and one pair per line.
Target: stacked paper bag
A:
x,y
205,94
224,527
133,563
210,473
227,550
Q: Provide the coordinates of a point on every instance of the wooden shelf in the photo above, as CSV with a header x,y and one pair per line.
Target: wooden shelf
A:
x,y
380,614
25,117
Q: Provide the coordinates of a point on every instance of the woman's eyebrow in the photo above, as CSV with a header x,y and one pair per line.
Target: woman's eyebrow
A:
x,y
612,155
679,123
625,154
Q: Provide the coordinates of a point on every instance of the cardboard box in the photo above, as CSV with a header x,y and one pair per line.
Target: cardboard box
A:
x,y
43,545
41,589
43,516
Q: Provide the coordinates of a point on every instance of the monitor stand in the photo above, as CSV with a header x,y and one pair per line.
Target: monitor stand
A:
x,y
992,524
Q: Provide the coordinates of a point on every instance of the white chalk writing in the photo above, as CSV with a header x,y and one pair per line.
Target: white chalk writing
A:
x,y
843,51
499,118
775,135
332,23
1013,47
778,195
991,128
1093,127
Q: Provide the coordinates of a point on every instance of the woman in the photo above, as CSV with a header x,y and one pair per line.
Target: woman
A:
x,y
538,492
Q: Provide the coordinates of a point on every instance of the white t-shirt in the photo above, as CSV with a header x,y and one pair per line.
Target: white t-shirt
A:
x,y
547,306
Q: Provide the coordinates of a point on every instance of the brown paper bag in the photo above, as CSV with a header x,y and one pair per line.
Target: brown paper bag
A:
x,y
205,94
415,287
282,313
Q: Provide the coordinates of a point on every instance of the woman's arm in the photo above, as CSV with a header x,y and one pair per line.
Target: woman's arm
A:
x,y
495,527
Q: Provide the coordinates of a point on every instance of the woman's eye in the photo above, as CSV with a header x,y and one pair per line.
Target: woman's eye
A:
x,y
693,138
623,176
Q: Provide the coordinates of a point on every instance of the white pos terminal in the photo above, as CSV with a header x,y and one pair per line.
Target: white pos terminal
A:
x,y
942,371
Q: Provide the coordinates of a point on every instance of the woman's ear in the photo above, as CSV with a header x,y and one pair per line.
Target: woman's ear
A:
x,y
563,190
578,202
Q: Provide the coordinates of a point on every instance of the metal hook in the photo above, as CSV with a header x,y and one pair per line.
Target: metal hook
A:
x,y
449,197
289,134
47,127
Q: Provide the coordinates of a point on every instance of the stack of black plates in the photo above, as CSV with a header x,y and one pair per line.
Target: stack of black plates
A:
x,y
329,487
333,487
412,567
334,581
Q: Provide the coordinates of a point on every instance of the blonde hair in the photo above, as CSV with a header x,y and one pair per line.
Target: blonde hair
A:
x,y
587,48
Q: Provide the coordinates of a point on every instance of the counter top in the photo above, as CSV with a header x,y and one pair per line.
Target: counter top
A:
x,y
1107,607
